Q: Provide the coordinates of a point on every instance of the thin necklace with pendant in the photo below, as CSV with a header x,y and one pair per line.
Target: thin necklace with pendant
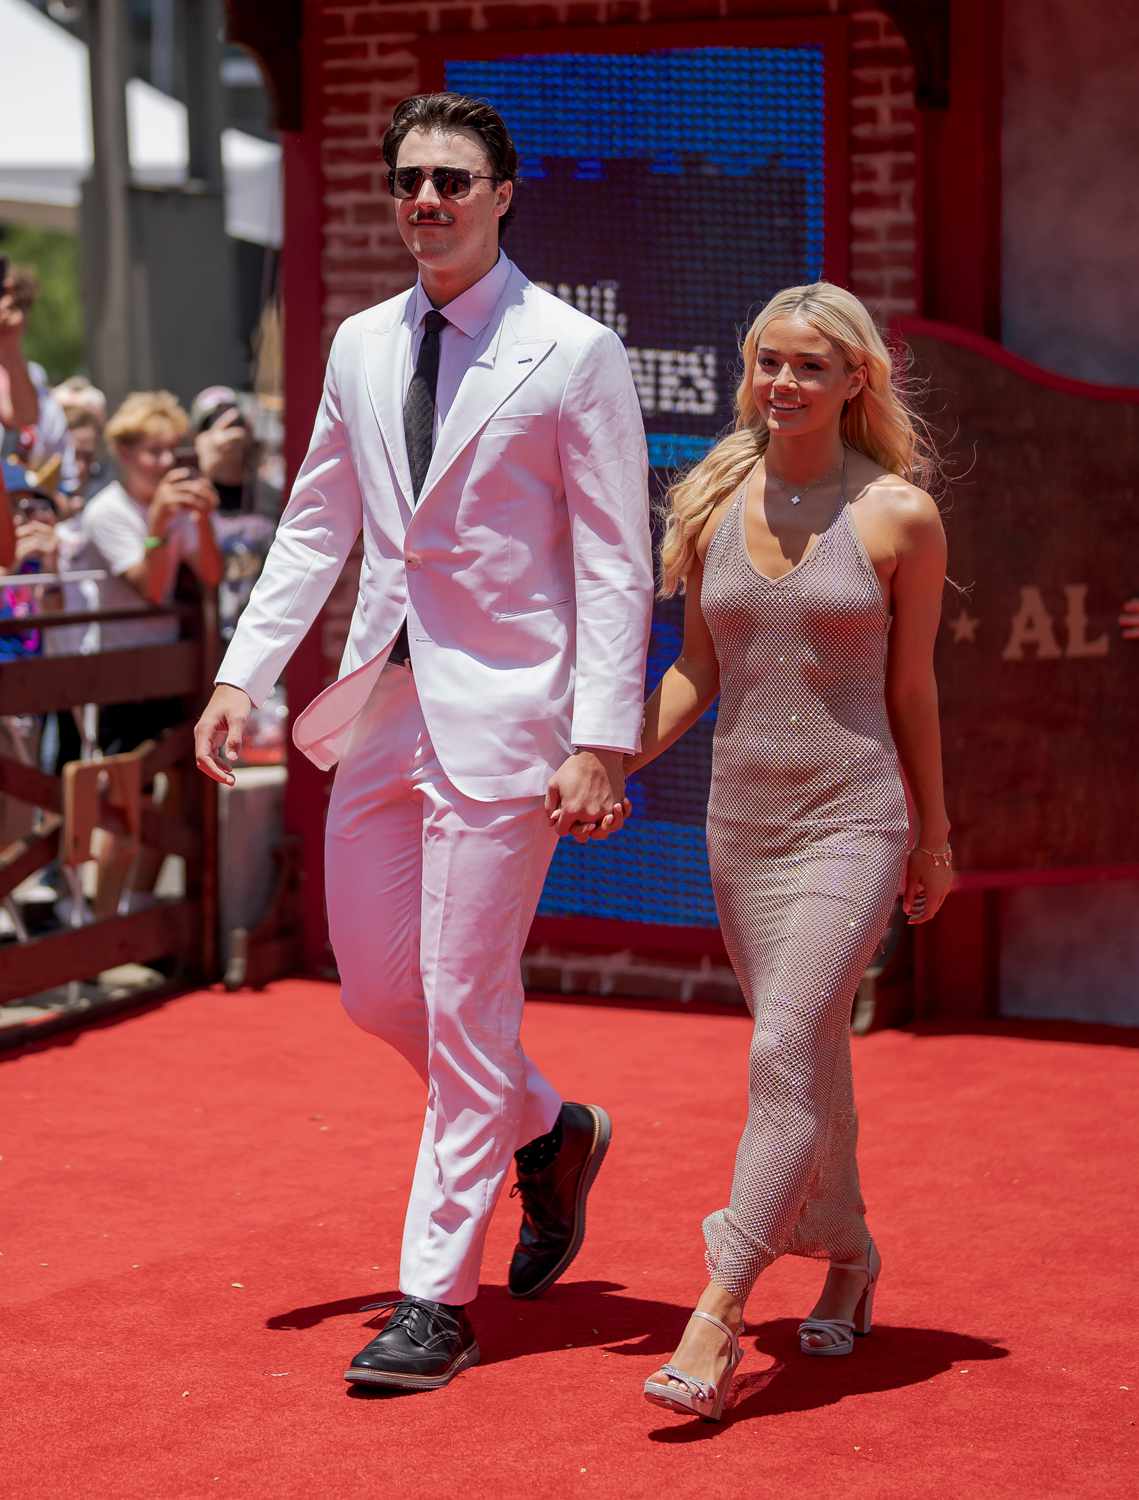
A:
x,y
812,484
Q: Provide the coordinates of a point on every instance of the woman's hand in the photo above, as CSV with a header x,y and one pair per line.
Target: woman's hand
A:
x,y
181,491
928,882
613,821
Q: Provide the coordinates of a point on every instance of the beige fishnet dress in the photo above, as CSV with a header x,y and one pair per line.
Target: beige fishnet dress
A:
x,y
807,835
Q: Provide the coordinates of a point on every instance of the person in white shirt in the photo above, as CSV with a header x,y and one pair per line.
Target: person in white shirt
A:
x,y
141,528
154,517
487,439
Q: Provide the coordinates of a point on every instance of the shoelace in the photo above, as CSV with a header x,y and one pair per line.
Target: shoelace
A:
x,y
410,1313
533,1202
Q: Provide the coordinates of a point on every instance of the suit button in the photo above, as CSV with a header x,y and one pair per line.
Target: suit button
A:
x,y
412,560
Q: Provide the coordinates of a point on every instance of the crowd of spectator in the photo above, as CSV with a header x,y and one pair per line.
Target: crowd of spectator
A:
x,y
147,499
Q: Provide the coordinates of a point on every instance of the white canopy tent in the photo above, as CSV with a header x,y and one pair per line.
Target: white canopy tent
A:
x,y
45,136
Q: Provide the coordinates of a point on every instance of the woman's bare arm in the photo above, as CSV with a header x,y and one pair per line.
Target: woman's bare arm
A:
x,y
207,562
911,688
687,688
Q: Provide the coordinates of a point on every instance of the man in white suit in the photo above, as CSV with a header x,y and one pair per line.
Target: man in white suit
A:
x,y
487,440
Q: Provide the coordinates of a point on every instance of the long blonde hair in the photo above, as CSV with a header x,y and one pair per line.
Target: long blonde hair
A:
x,y
879,422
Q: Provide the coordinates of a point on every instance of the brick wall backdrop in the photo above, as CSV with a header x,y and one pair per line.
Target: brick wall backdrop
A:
x,y
368,65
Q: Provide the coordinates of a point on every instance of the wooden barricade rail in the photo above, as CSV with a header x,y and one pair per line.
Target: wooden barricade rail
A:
x,y
111,794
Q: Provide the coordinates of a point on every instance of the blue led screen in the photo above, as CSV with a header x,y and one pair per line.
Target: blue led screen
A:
x,y
668,194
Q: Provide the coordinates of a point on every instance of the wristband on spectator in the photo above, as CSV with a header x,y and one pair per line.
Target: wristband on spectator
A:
x,y
151,542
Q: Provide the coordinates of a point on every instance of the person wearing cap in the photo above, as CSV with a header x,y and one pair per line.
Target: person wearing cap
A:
x,y
226,454
27,546
222,442
33,513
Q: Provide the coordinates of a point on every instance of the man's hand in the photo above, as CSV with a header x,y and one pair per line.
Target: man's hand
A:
x,y
586,795
1129,620
181,492
223,722
222,448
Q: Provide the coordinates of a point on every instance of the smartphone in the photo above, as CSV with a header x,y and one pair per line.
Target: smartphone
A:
x,y
186,457
3,272
216,415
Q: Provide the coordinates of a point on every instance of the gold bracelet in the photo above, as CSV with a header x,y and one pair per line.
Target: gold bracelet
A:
x,y
942,858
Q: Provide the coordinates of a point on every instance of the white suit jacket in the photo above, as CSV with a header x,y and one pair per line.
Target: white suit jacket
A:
x,y
525,570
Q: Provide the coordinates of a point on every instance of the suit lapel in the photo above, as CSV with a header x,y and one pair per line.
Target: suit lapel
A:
x,y
386,342
502,363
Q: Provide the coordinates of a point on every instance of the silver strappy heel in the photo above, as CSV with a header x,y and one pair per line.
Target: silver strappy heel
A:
x,y
699,1398
842,1331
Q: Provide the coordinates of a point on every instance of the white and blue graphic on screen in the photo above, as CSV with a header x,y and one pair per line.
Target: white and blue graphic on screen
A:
x,y
669,195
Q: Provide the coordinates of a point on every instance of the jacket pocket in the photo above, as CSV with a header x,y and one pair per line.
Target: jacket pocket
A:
x,y
544,607
512,424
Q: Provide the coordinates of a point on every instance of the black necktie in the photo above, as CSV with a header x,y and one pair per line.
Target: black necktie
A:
x,y
419,430
419,407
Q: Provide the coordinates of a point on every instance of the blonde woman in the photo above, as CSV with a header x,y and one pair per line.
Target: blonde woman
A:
x,y
812,563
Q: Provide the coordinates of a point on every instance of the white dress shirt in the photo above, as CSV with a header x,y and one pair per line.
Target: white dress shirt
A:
x,y
466,316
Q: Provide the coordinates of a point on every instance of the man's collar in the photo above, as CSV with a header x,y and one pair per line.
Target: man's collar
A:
x,y
470,311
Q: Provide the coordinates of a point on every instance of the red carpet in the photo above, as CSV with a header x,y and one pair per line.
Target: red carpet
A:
x,y
199,1198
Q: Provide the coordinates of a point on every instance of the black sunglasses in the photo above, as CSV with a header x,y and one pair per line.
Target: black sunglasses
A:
x,y
448,182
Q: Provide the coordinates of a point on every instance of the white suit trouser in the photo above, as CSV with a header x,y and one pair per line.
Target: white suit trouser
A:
x,y
430,899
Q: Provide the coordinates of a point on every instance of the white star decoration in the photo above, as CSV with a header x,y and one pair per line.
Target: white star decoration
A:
x,y
964,628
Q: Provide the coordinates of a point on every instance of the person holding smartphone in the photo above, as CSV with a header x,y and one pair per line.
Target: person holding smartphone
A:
x,y
33,422
228,454
141,528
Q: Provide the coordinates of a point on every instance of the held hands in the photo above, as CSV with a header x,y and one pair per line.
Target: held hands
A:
x,y
586,795
182,491
928,881
222,724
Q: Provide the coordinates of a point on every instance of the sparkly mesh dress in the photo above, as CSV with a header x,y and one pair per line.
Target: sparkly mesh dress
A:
x,y
807,837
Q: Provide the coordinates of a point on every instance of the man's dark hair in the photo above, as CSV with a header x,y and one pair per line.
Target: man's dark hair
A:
x,y
453,113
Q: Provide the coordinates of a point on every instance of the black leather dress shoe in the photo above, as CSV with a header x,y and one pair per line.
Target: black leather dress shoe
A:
x,y
553,1201
422,1346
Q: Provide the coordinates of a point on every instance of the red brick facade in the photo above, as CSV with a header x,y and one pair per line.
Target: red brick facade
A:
x,y
368,64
